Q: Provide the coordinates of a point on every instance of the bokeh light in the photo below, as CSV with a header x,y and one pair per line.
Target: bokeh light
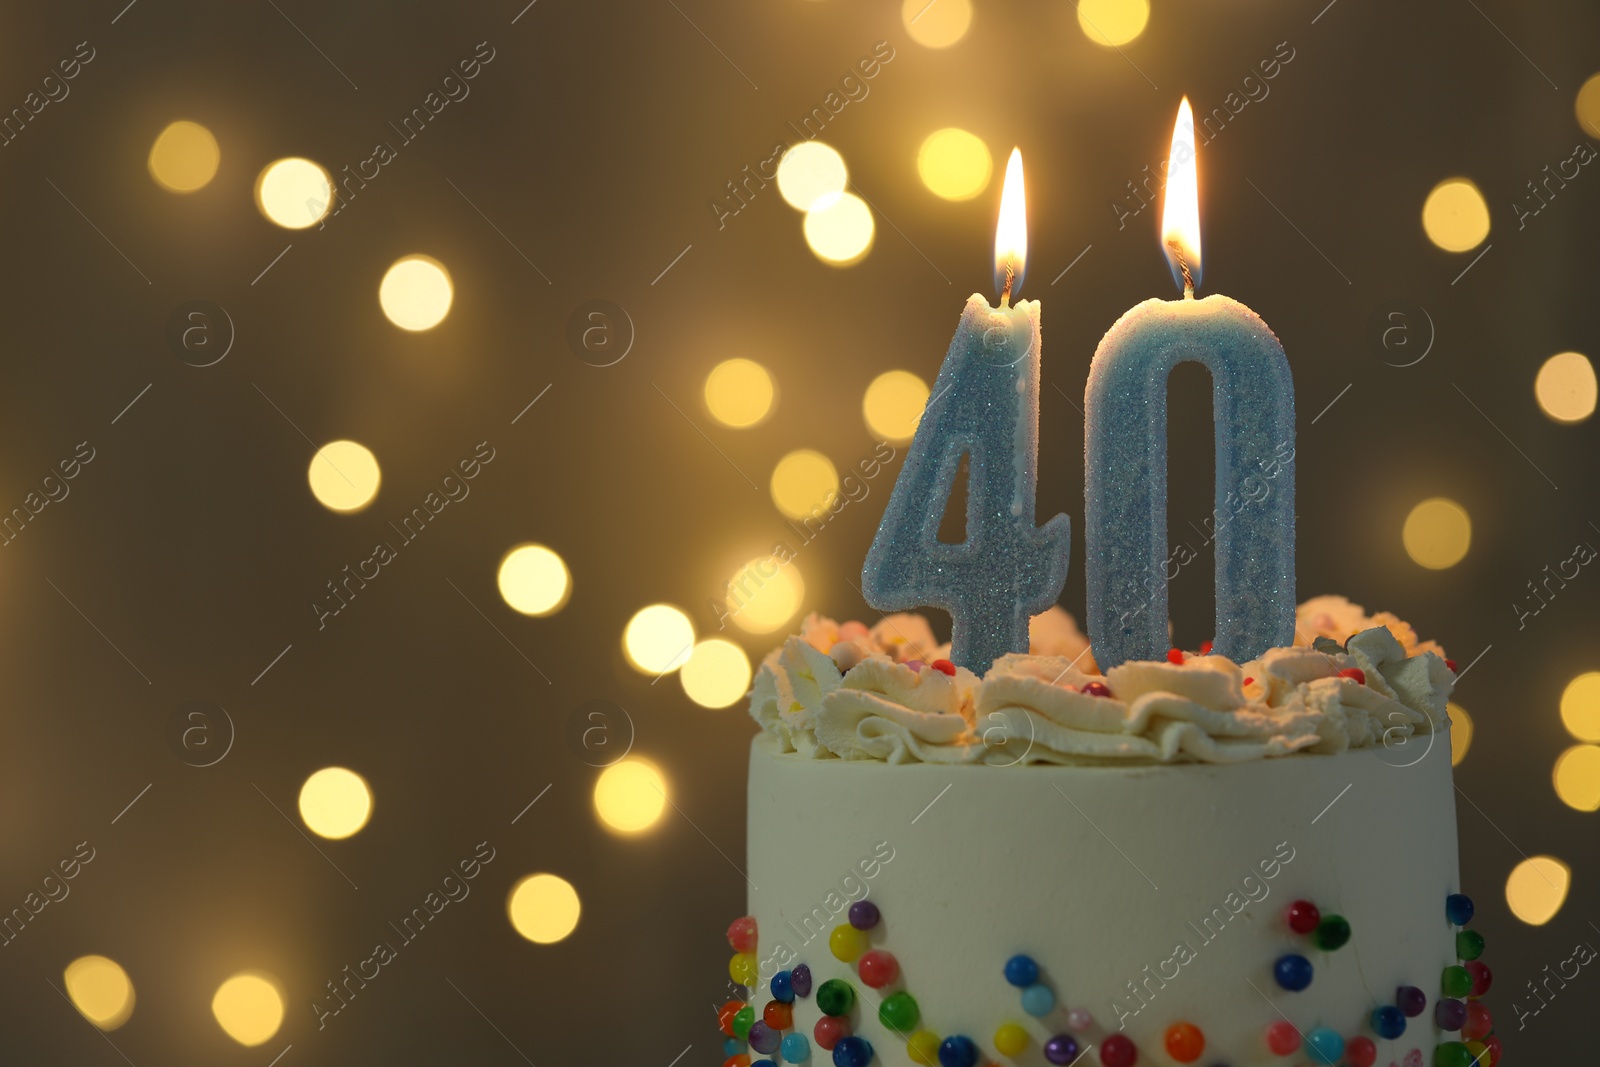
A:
x,y
936,23
335,803
1536,889
739,393
294,193
1437,533
764,594
839,230
717,674
184,157
543,908
1577,777
1565,387
893,405
248,1007
416,293
630,795
804,484
101,990
954,164
1113,22
811,172
1455,216
344,476
658,639
1460,732
1580,706
534,580
1588,106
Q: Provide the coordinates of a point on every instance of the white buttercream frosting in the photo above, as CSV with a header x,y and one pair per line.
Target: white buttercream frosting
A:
x,y
846,691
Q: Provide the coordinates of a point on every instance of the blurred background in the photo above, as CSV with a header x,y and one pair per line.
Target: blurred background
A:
x,y
389,550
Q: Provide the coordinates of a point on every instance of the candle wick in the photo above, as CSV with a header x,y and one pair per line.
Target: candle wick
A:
x,y
1005,294
1183,268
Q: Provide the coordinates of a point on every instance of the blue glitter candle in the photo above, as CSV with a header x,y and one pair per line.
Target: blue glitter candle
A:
x,y
985,404
1125,450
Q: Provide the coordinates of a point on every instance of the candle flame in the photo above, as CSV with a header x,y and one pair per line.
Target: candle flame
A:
x,y
1180,215
1011,232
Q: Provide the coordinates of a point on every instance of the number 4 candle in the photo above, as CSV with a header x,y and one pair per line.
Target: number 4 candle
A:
x,y
1125,448
985,404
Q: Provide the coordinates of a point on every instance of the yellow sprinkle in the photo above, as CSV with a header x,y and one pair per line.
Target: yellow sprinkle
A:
x,y
923,1048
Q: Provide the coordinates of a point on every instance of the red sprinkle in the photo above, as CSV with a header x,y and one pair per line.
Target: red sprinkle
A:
x,y
1355,674
1452,665
1097,689
1205,648
1175,655
1247,681
944,666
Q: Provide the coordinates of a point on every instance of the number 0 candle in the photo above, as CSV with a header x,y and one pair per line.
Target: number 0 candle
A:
x,y
985,404
1125,446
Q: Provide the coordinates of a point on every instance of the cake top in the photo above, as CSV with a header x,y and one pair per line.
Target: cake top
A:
x,y
890,693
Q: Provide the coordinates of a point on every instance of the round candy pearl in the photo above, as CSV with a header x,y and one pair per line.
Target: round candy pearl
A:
x,y
726,1013
1282,1037
782,986
1480,1053
845,654
958,1051
914,664
1360,1051
1450,1014
1098,689
800,980
1184,1042
878,968
852,1052
1469,945
742,969
1021,971
1411,1000
763,1063
795,1048
1010,1039
847,943
1079,1019
899,1011
742,934
1061,1049
742,1021
829,1030
1293,972
1479,1022
1455,982
764,1039
1326,1045
1331,933
1118,1051
1389,1022
732,1047
944,666
1038,1000
1482,977
1458,908
741,1060
1355,674
1492,1043
1302,916
864,915
1452,1054
778,1015
836,997
923,1048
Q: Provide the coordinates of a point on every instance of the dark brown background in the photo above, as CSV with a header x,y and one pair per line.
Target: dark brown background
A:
x,y
594,141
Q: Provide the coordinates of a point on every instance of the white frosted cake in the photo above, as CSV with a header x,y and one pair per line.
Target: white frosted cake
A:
x,y
1190,861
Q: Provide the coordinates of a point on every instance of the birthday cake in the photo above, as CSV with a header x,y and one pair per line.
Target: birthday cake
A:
x,y
1190,861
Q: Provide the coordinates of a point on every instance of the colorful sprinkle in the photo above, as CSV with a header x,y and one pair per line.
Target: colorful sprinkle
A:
x,y
1079,1019
1360,1051
742,969
1021,971
726,1013
1480,1053
1455,982
1492,1043
1479,1022
847,943
878,968
742,934
1302,916
864,915
778,1015
829,1030
1038,1000
1450,1014
1097,689
944,666
1282,1037
1452,1054
740,1060
1293,972
914,664
1458,908
1061,1049
1325,1045
1205,648
958,1051
795,1048
742,1021
1469,944
800,980
1010,1039
852,1051
1331,933
1389,1022
1184,1042
1482,977
1452,665
836,997
1175,656
1355,674
782,986
899,1011
1118,1051
1411,1000
764,1039
923,1048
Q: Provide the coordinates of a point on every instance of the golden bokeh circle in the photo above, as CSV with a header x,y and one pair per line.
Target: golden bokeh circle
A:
x,y
248,1007
416,293
294,193
184,157
804,484
1565,387
1576,777
1113,22
893,405
335,803
1437,533
765,594
534,580
1456,216
840,229
630,795
1580,706
544,908
954,164
936,23
740,393
100,989
717,674
658,639
1536,889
